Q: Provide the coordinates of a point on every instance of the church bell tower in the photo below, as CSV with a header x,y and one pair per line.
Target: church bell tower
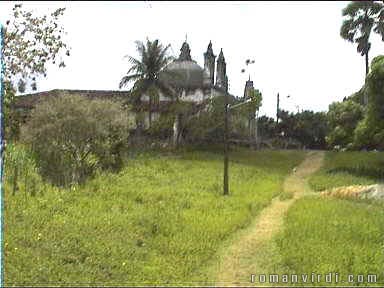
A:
x,y
209,63
221,74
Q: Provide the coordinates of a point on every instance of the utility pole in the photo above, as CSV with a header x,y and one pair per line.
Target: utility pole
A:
x,y
227,108
277,108
226,189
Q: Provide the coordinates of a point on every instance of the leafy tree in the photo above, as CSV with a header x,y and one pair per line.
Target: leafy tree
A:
x,y
369,133
361,17
30,43
208,125
307,127
267,127
311,129
357,97
145,73
72,136
342,119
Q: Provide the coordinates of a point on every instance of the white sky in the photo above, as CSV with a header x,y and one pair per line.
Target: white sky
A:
x,y
296,45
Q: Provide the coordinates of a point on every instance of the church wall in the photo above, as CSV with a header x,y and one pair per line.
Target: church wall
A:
x,y
145,97
196,95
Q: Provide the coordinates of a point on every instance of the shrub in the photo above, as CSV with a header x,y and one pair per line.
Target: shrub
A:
x,y
73,136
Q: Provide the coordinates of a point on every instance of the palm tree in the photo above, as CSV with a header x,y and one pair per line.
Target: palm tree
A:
x,y
145,74
360,18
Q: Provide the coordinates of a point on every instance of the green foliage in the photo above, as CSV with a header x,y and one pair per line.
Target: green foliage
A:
x,y
73,136
255,104
342,118
355,230
145,74
267,127
349,168
307,127
361,17
162,128
370,131
311,129
358,97
159,221
31,43
12,118
21,172
208,125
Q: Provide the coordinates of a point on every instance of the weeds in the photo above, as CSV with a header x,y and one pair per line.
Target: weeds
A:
x,y
163,216
332,235
349,168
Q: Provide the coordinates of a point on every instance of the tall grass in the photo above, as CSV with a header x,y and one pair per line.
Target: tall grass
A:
x,y
21,173
333,235
156,222
349,168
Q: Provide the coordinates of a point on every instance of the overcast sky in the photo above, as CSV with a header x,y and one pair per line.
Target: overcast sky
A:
x,y
296,45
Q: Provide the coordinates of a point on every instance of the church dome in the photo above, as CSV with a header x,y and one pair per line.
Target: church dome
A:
x,y
185,72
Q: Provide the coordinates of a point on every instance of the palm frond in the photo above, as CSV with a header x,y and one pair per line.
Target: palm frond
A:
x,y
128,78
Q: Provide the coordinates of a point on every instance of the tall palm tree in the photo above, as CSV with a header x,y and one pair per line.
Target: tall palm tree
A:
x,y
361,17
145,74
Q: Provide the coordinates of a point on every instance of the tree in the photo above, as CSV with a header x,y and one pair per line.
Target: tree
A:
x,y
311,129
72,136
145,73
361,17
369,133
307,127
267,127
342,119
30,43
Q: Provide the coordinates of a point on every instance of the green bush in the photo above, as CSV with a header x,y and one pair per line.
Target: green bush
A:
x,y
73,136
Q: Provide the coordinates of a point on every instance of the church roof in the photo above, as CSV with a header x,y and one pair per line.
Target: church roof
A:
x,y
186,73
209,52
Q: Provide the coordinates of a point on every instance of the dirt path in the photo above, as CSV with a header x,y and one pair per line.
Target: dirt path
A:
x,y
250,251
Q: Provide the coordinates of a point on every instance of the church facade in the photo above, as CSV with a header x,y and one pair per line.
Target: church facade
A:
x,y
195,84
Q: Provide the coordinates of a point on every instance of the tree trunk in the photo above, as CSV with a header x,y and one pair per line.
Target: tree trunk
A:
x,y
150,112
256,134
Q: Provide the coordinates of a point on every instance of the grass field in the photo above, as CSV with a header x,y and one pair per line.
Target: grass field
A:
x,y
157,221
349,168
333,235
